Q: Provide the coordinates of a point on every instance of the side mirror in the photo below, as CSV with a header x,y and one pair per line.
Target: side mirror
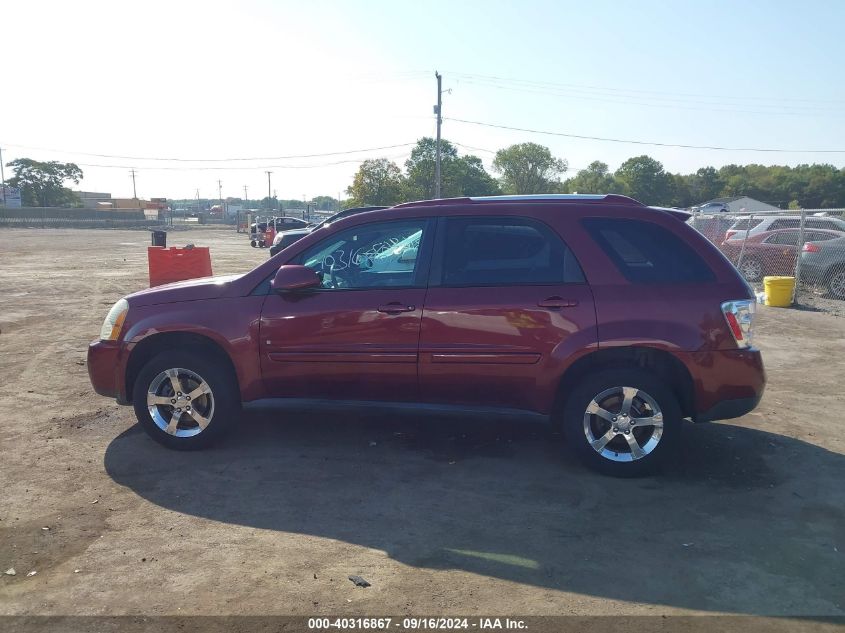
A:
x,y
291,278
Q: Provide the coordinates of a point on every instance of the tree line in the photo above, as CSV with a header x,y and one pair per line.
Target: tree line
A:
x,y
524,168
529,168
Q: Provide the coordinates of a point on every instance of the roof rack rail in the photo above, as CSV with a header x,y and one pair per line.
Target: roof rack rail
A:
x,y
611,198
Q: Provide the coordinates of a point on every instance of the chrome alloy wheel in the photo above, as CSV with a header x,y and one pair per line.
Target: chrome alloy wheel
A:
x,y
751,269
837,284
180,402
623,424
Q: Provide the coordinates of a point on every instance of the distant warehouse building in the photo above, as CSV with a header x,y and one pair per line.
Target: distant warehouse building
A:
x,y
92,199
736,204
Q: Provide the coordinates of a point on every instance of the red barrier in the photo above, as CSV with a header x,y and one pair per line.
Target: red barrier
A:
x,y
177,264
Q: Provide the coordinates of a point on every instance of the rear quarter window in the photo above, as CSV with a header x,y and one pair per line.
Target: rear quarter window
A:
x,y
645,252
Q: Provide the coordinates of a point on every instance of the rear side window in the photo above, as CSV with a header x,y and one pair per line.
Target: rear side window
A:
x,y
502,251
745,224
786,223
647,253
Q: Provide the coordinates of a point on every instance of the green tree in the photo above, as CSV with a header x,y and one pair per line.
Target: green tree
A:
x,y
595,179
326,203
705,184
378,182
459,175
42,183
644,179
528,168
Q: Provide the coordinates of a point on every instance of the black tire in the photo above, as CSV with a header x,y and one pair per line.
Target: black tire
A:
x,y
223,403
575,412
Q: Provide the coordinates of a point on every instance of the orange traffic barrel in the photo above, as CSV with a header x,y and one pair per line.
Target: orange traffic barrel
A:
x,y
177,263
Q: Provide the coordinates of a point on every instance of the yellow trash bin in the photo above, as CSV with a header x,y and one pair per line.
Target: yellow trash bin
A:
x,y
779,291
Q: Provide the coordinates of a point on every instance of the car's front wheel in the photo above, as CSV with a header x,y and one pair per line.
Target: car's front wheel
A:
x,y
622,422
185,400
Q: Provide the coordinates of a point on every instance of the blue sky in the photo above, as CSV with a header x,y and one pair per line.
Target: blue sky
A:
x,y
217,80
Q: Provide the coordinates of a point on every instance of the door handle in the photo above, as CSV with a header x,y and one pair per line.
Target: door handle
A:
x,y
557,302
395,308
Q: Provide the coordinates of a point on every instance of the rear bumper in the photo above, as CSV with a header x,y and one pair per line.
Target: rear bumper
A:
x,y
729,409
727,384
104,369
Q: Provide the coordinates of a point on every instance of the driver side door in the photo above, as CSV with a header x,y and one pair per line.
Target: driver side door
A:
x,y
357,336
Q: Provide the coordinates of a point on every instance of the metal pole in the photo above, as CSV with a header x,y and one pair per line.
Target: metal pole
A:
x,y
438,112
269,197
2,178
134,192
742,247
798,256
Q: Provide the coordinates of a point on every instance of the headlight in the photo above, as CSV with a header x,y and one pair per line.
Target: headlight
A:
x,y
114,321
277,239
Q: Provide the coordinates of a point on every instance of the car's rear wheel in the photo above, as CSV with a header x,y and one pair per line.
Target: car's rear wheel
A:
x,y
751,269
836,283
185,400
622,422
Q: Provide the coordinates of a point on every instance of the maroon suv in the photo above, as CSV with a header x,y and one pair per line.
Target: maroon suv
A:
x,y
614,319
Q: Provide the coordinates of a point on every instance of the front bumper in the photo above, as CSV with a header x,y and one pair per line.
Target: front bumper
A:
x,y
104,368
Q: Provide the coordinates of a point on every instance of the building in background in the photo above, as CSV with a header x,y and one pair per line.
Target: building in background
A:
x,y
92,199
736,204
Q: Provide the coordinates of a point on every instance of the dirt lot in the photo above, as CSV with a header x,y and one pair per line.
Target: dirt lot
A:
x,y
441,517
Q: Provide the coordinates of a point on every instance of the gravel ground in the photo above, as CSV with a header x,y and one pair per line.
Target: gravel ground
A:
x,y
440,517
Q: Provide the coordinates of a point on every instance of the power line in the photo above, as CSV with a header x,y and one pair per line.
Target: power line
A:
x,y
230,168
213,160
616,90
654,143
680,105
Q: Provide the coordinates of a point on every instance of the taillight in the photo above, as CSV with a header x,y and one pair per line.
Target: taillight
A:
x,y
809,247
740,318
729,235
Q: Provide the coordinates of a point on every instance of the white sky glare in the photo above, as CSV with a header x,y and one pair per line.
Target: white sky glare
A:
x,y
225,80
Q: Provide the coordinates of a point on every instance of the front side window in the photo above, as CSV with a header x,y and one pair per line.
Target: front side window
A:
x,y
382,255
645,252
501,251
784,237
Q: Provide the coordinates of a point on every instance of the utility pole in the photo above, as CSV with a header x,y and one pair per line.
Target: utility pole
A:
x,y
438,111
269,198
134,193
198,202
245,196
2,179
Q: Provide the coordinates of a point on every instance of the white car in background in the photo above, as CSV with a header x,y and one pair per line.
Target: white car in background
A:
x,y
746,225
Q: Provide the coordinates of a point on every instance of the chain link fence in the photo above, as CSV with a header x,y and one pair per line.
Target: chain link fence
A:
x,y
807,244
55,217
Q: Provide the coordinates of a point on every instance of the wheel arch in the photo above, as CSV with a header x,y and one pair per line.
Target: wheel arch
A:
x,y
148,347
662,363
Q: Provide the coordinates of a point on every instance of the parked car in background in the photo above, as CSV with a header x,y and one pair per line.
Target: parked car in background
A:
x,y
511,305
286,238
281,223
823,264
713,207
713,227
760,224
771,252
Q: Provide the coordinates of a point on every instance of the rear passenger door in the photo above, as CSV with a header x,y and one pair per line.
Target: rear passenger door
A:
x,y
507,301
